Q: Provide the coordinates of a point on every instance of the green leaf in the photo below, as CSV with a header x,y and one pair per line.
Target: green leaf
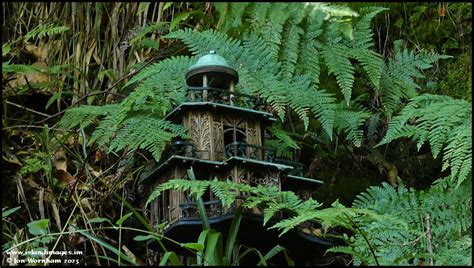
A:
x,y
5,49
200,204
181,17
143,237
148,43
125,217
234,229
167,5
346,29
169,256
202,240
7,213
275,250
52,99
109,247
100,220
214,249
196,246
20,68
38,227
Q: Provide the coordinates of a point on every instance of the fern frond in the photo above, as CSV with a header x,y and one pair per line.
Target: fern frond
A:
x,y
363,36
282,141
160,86
273,28
224,191
372,63
337,60
257,15
350,120
309,46
398,79
146,132
346,249
42,30
442,121
289,50
200,43
236,13
107,128
445,207
85,115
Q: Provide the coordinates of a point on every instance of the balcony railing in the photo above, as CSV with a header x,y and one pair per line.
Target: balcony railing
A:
x,y
213,208
222,96
181,148
239,149
250,151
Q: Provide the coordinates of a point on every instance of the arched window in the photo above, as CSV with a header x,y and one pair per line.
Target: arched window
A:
x,y
234,141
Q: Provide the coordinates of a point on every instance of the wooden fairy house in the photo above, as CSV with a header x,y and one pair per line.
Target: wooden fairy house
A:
x,y
226,131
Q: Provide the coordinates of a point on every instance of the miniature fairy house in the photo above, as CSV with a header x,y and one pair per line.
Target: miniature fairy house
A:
x,y
226,131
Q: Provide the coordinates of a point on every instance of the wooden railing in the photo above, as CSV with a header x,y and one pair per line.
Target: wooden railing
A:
x,y
222,96
250,151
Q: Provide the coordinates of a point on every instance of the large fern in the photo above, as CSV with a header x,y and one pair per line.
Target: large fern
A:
x,y
85,115
298,33
273,201
282,141
400,75
261,75
350,120
448,220
442,121
137,121
42,30
266,57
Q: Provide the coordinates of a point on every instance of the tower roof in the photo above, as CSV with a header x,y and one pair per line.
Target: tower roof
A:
x,y
213,65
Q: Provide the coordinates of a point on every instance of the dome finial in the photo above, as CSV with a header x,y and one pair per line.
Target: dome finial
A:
x,y
215,67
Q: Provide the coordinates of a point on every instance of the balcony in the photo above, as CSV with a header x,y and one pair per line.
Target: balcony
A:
x,y
235,149
250,151
190,211
221,96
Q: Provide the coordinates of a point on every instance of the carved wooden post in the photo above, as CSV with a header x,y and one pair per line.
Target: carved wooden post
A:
x,y
231,97
204,85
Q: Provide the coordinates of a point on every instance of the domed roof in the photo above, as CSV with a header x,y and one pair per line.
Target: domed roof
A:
x,y
212,65
211,59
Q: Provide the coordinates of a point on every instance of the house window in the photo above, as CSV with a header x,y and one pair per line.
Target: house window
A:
x,y
234,140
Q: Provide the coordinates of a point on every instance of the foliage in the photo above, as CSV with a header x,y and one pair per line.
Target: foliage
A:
x,y
137,122
37,162
393,220
445,123
273,201
349,119
299,35
282,141
448,231
271,61
210,244
315,62
398,76
42,30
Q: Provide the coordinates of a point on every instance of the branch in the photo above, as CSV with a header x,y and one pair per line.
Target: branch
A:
x,y
34,126
28,109
365,238
428,236
112,86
